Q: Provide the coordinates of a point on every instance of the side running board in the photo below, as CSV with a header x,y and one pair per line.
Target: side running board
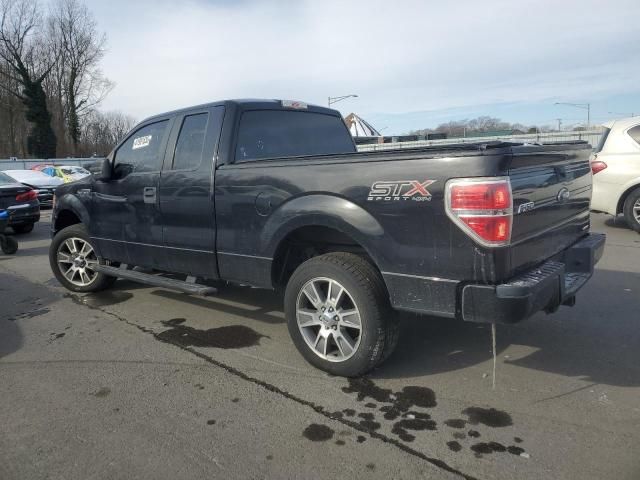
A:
x,y
188,286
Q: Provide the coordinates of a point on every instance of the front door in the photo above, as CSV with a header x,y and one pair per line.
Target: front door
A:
x,y
126,208
186,193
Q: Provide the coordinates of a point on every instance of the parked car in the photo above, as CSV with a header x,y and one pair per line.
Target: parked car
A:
x,y
68,173
21,202
616,171
274,194
43,184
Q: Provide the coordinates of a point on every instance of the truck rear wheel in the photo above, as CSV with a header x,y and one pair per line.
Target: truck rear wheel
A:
x,y
631,209
338,314
72,258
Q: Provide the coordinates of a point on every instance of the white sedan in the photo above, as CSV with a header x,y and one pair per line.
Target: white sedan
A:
x,y
616,171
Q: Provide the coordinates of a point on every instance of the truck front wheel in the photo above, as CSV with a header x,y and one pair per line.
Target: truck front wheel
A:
x,y
73,258
338,314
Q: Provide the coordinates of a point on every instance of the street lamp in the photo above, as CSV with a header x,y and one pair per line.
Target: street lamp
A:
x,y
333,100
585,106
622,114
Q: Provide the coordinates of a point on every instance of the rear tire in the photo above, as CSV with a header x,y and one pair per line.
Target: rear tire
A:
x,y
24,228
71,256
338,314
631,209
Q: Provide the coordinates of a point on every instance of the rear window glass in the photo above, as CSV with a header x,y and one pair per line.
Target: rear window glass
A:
x,y
6,179
283,133
603,140
635,133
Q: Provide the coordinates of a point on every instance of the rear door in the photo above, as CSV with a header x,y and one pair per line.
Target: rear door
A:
x,y
187,205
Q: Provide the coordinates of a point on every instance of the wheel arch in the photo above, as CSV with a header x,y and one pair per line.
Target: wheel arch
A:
x,y
69,211
317,224
625,194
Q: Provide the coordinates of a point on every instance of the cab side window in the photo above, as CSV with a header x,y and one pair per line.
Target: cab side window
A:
x,y
141,152
190,144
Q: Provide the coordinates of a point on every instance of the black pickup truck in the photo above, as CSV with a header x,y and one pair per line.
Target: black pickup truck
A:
x,y
274,194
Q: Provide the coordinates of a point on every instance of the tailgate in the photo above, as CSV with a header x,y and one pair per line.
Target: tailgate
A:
x,y
551,187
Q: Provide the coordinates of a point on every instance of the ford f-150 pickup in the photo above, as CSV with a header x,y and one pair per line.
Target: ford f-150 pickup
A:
x,y
274,194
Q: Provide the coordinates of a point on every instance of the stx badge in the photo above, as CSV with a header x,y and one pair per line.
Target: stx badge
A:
x,y
400,190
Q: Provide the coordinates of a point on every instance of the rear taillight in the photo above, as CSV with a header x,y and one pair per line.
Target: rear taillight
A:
x,y
482,208
26,196
597,166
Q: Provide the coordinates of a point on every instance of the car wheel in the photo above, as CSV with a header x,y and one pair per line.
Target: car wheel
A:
x,y
24,228
72,258
8,245
631,209
338,314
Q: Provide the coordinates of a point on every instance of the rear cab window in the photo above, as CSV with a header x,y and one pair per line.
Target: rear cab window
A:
x,y
190,144
266,134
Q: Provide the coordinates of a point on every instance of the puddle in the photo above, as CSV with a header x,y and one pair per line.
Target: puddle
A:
x,y
318,433
405,412
232,336
101,299
488,416
102,392
455,423
29,314
454,446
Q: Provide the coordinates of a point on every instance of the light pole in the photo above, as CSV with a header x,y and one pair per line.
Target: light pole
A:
x,y
332,100
622,114
584,106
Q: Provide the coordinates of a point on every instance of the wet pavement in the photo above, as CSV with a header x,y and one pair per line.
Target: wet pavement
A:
x,y
141,382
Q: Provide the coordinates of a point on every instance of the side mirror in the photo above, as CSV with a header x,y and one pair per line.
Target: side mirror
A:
x,y
101,170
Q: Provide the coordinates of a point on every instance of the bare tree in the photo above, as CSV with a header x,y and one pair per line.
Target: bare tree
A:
x,y
102,131
80,80
28,61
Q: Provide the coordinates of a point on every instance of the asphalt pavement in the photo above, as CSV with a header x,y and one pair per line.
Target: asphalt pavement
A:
x,y
142,382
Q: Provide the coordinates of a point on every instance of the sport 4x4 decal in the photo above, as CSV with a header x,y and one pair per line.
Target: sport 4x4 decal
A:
x,y
400,190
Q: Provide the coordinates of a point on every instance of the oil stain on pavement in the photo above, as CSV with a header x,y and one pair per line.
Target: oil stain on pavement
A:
x,y
232,336
405,411
318,433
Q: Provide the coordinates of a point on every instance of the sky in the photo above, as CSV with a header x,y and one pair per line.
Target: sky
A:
x,y
413,64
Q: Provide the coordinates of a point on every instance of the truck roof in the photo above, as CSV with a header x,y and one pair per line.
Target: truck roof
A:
x,y
252,104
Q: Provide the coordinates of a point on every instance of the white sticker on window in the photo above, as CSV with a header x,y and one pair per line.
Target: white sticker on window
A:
x,y
141,142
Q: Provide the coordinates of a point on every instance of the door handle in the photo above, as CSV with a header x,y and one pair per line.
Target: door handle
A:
x,y
149,194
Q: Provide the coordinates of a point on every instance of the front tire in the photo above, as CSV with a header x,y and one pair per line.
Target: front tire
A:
x,y
338,314
631,209
8,245
72,256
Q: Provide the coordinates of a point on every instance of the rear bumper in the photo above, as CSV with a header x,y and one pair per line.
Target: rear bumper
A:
x,y
546,287
25,213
